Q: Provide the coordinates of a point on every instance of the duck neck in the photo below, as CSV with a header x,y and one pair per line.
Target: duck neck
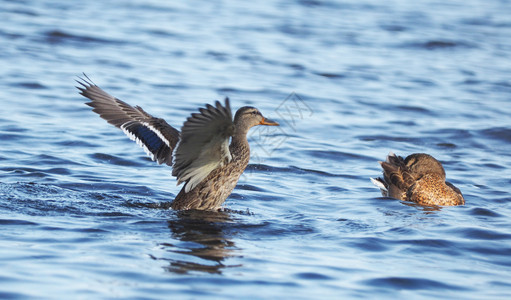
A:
x,y
239,143
240,136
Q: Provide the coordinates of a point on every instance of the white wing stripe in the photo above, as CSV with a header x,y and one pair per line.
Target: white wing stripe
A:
x,y
158,133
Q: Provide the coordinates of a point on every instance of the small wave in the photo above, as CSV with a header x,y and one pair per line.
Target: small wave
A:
x,y
9,136
227,90
297,66
29,85
394,27
47,199
482,234
218,56
166,33
5,222
370,244
439,45
115,160
412,284
248,187
337,155
498,133
9,295
313,276
25,172
486,22
61,37
24,11
266,168
484,212
322,173
158,205
336,189
76,143
331,75
386,138
446,145
413,108
295,30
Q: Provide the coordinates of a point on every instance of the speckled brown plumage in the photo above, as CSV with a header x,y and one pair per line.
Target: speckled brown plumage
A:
x,y
419,178
212,191
219,184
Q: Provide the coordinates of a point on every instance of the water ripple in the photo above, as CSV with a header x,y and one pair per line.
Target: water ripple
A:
x,y
84,214
412,284
61,37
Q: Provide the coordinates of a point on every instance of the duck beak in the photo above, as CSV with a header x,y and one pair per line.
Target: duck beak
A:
x,y
268,122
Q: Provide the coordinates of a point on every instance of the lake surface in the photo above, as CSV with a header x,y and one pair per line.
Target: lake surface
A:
x,y
84,212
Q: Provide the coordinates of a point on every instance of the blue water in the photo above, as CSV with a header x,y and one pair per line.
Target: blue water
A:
x,y
84,213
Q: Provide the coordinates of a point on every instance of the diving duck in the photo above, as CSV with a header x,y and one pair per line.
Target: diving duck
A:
x,y
200,155
419,178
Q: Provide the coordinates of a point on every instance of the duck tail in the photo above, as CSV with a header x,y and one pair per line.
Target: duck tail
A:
x,y
379,183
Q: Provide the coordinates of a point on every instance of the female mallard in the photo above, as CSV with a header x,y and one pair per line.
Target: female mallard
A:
x,y
419,178
202,156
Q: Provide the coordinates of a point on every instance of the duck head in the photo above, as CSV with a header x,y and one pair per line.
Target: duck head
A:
x,y
248,117
421,164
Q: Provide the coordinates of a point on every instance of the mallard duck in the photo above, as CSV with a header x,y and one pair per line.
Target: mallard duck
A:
x,y
419,178
200,155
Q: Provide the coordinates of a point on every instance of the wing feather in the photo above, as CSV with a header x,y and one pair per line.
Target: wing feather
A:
x,y
204,144
154,135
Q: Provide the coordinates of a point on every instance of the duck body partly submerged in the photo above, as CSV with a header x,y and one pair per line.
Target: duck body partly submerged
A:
x,y
212,192
200,155
419,178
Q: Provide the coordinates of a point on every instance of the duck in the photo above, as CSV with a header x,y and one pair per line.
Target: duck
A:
x,y
200,154
418,178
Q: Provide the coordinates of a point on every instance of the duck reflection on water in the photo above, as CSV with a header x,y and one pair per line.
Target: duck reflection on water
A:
x,y
204,242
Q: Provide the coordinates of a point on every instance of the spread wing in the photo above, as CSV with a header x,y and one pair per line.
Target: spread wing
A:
x,y
204,144
156,136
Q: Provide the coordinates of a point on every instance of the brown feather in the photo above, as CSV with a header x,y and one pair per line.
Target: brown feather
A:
x,y
419,178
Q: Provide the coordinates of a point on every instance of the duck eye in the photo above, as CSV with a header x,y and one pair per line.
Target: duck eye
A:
x,y
254,112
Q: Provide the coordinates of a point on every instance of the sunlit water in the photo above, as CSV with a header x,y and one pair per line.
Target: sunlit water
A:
x,y
84,212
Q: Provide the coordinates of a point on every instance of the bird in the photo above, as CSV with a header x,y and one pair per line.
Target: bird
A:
x,y
418,178
200,154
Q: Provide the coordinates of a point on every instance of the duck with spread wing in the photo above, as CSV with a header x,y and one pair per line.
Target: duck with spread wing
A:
x,y
200,155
